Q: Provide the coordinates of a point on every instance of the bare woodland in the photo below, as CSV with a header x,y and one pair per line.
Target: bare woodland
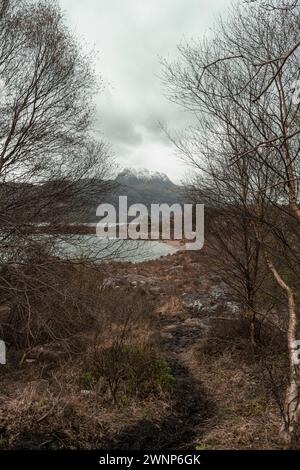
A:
x,y
48,159
242,86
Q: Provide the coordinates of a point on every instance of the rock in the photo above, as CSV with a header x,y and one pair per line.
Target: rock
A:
x,y
209,301
218,292
196,305
87,393
192,302
109,283
134,280
155,290
233,307
170,327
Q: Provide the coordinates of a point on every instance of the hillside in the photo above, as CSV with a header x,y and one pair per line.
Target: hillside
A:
x,y
140,187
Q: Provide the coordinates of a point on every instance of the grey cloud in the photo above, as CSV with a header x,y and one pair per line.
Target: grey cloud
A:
x,y
130,35
118,127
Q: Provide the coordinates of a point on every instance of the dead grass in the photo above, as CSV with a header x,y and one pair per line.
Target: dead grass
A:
x,y
171,306
237,378
59,393
87,365
57,413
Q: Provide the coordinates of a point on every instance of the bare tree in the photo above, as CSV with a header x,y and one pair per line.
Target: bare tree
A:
x,y
51,165
49,158
240,86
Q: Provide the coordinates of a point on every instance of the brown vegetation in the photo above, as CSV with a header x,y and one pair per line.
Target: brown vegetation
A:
x,y
138,361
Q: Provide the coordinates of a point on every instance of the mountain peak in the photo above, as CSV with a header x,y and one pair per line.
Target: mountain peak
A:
x,y
143,174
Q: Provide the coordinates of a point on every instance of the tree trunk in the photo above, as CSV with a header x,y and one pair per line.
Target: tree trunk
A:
x,y
3,7
251,318
290,423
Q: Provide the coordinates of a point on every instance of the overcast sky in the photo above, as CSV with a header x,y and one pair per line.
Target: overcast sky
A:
x,y
130,36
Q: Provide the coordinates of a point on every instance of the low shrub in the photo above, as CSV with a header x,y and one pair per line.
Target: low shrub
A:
x,y
48,300
128,370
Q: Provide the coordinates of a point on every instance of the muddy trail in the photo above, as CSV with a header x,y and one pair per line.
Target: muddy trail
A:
x,y
192,410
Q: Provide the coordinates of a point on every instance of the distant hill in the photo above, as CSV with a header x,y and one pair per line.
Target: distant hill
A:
x,y
79,205
140,187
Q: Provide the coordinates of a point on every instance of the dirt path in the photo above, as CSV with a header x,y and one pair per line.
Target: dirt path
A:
x,y
192,408
220,400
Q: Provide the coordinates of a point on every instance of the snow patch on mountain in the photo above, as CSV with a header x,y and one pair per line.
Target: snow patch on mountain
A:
x,y
143,174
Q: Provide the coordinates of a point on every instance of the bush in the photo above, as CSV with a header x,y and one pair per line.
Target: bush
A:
x,y
48,300
131,371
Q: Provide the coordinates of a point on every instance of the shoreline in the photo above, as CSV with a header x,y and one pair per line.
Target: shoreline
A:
x,y
180,244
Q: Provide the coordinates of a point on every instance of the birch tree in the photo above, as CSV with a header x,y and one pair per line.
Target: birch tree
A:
x,y
48,152
242,85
